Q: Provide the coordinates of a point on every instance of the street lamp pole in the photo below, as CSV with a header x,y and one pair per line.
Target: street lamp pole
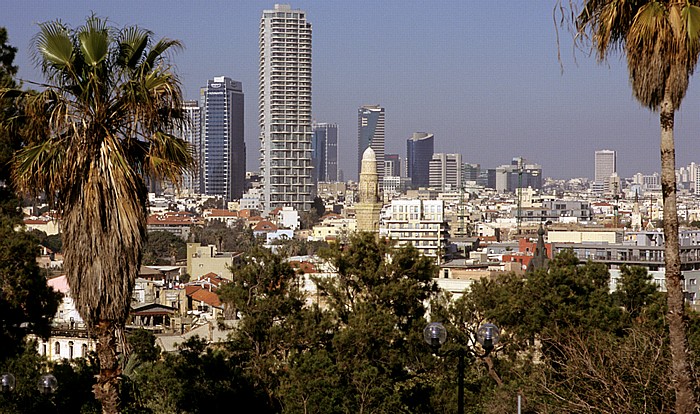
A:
x,y
487,335
460,382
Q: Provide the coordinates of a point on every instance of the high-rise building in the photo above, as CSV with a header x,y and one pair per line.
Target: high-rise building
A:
x,y
325,152
419,152
518,174
470,172
191,131
445,171
223,145
392,165
605,166
285,109
370,134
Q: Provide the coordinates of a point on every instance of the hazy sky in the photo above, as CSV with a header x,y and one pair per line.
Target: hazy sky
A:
x,y
482,76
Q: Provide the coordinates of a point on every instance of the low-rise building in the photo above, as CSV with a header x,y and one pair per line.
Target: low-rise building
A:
x,y
420,223
207,259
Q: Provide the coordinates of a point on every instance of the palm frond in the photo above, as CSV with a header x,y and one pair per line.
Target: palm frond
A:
x,y
158,51
132,42
168,158
55,46
94,40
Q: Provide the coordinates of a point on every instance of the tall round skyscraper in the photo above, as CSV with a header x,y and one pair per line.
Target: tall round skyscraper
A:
x,y
285,109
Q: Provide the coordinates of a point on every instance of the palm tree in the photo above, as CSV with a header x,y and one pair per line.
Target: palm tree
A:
x,y
98,129
661,41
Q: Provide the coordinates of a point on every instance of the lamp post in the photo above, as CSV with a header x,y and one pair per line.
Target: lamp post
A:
x,y
487,335
46,385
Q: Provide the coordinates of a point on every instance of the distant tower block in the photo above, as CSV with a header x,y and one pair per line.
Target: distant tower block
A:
x,y
367,211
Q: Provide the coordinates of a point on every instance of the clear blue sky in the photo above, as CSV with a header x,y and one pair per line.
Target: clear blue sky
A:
x,y
482,76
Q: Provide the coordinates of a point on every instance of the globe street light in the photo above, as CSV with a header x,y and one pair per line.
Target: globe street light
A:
x,y
47,384
487,335
7,381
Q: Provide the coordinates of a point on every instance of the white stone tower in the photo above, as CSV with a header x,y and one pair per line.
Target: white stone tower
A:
x,y
367,211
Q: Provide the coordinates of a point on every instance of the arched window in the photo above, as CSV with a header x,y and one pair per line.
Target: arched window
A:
x,y
70,350
84,350
57,349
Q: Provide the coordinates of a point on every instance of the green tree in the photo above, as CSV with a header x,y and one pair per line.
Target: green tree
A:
x,y
162,247
266,292
97,129
377,304
637,294
74,378
661,41
27,303
143,345
237,238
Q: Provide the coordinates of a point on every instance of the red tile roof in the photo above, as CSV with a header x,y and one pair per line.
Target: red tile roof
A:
x,y
205,296
265,226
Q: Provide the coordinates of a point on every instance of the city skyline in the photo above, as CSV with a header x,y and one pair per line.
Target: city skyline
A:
x,y
488,93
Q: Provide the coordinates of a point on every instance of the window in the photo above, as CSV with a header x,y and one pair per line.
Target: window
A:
x,y
57,348
84,350
70,350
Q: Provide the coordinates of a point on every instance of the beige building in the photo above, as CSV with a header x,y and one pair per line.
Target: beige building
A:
x,y
206,259
555,236
367,211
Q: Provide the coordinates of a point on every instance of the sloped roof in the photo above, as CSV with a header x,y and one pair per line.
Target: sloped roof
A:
x,y
59,284
205,296
152,309
265,226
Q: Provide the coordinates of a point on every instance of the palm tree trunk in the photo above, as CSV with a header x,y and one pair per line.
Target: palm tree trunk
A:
x,y
685,400
107,388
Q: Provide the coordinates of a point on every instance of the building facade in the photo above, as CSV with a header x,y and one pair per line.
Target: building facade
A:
x,y
419,152
285,109
392,165
519,174
325,152
445,171
370,134
191,131
605,167
223,145
419,223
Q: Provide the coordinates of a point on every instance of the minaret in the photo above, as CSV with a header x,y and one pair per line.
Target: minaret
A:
x,y
636,223
367,211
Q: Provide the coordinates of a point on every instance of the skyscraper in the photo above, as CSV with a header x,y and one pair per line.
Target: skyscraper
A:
x,y
370,134
419,152
223,145
191,132
605,166
392,165
285,108
446,171
325,152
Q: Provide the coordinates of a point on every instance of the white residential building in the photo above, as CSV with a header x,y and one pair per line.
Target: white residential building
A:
x,y
420,223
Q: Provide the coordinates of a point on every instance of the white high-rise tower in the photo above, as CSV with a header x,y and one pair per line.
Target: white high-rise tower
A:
x,y
285,109
605,167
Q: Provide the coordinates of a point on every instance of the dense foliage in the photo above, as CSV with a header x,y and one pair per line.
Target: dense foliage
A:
x,y
26,302
568,345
